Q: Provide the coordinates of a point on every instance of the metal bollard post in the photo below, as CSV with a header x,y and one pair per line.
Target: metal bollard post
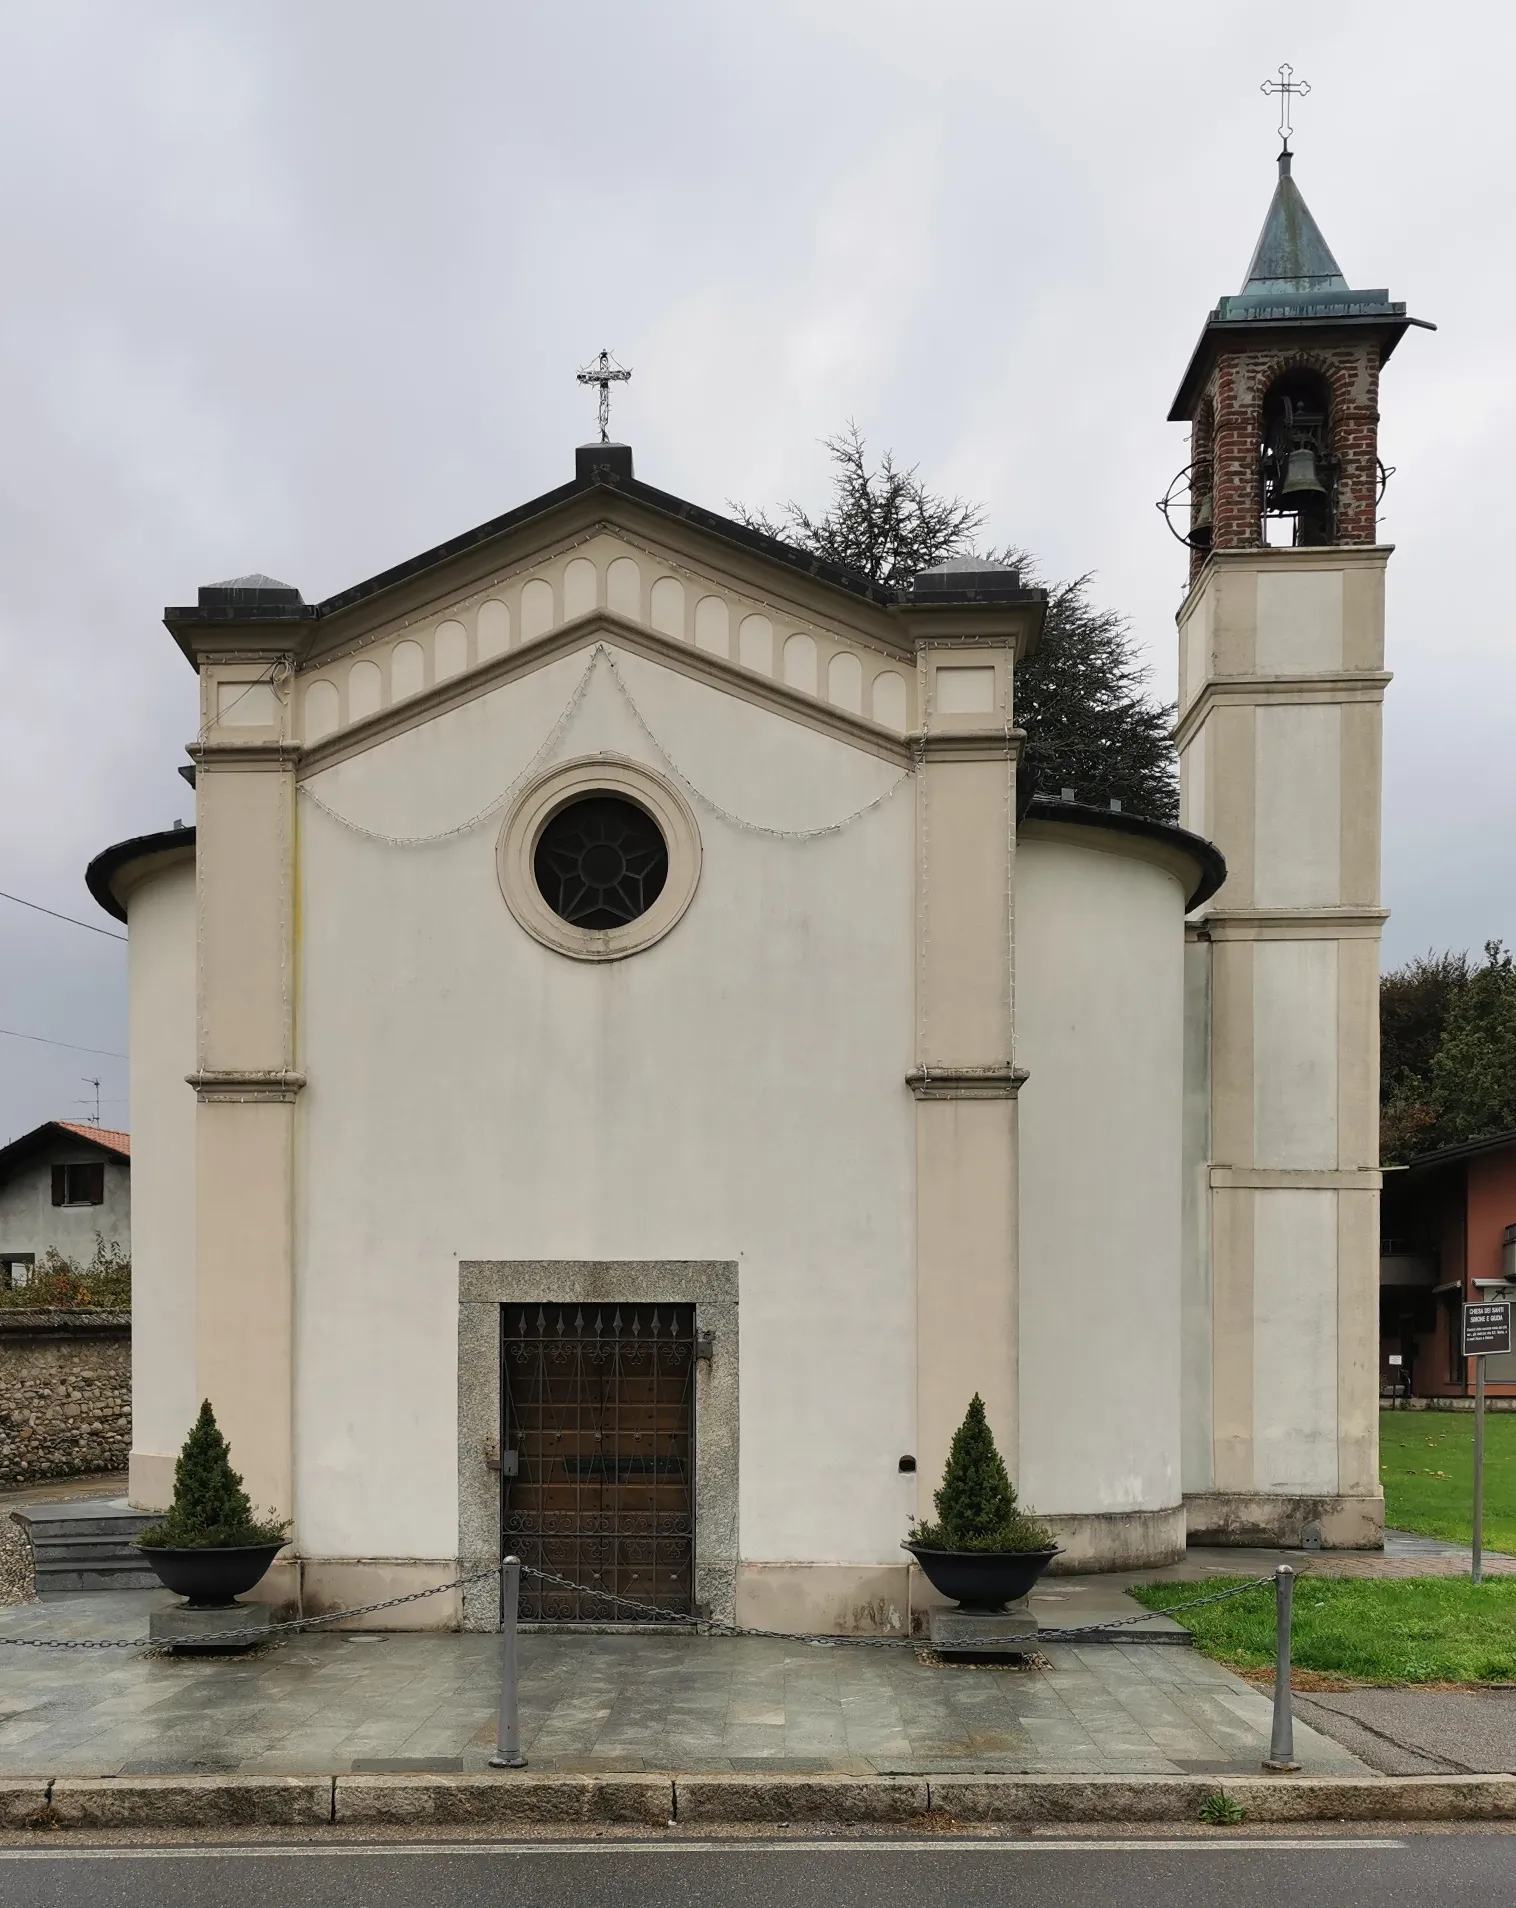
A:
x,y
1477,1558
1281,1756
508,1745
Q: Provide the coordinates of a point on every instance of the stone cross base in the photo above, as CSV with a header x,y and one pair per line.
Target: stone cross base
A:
x,y
223,1626
985,1633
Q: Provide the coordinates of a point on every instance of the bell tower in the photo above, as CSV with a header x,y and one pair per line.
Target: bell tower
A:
x,y
1281,685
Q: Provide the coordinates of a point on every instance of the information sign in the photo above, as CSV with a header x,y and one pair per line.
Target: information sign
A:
x,y
1486,1328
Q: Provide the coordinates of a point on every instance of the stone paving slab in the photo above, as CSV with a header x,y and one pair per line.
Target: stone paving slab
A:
x,y
625,1704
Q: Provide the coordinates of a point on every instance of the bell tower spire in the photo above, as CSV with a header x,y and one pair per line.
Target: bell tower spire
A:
x,y
1281,642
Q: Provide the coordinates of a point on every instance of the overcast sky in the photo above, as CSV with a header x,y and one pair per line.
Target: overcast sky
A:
x,y
302,288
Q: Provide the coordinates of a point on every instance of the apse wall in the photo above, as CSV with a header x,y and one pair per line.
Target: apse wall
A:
x,y
1099,1021
160,906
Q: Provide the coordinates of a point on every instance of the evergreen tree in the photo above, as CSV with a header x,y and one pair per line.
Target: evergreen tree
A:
x,y
1447,1073
1474,1073
884,522
976,1506
210,1510
1080,696
1082,699
1415,1002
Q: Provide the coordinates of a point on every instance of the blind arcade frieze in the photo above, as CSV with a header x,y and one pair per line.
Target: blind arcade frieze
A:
x,y
635,584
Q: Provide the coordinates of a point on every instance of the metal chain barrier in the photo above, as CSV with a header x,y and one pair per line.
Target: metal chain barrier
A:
x,y
672,1619
245,1636
715,1625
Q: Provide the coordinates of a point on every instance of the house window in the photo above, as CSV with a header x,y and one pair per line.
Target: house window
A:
x,y
79,1185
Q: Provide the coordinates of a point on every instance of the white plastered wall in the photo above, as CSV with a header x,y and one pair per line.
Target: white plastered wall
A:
x,y
161,931
736,1092
1100,1029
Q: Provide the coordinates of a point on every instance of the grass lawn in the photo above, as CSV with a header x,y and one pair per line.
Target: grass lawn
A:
x,y
1426,1461
1393,1630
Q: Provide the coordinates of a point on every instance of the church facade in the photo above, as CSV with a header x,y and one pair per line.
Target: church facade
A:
x,y
621,1057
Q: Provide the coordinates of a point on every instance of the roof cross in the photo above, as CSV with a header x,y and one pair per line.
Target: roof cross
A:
x,y
1287,87
605,372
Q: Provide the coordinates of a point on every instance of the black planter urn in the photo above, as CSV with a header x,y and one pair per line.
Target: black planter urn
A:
x,y
210,1578
982,1579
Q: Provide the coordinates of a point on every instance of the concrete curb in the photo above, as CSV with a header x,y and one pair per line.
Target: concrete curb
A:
x,y
1032,1799
527,1800
20,1801
512,1800
800,1798
211,1801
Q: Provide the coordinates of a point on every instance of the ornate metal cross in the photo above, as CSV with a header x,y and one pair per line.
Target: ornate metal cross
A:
x,y
605,372
1287,87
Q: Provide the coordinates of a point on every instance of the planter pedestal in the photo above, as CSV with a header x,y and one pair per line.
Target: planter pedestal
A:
x,y
985,1635
219,1626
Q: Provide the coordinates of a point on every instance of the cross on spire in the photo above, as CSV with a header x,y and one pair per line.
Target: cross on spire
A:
x,y
605,372
1288,88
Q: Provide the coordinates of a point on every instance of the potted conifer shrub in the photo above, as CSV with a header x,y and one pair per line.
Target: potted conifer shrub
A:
x,y
209,1547
984,1550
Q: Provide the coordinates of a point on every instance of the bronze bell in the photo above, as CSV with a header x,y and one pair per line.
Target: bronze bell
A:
x,y
1204,514
1300,476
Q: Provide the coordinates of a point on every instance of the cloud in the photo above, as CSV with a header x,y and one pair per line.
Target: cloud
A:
x,y
303,289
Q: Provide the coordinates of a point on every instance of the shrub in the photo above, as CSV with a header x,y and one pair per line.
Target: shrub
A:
x,y
210,1510
976,1506
61,1284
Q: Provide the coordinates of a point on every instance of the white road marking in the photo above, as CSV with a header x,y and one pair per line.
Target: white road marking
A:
x,y
838,1846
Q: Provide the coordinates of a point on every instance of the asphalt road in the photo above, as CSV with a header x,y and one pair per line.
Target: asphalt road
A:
x,y
1469,1870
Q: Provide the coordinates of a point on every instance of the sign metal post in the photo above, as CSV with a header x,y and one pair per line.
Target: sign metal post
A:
x,y
1486,1329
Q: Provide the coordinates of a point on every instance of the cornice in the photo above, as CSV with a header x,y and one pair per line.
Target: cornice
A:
x,y
243,755
997,1082
1336,686
1319,556
1015,626
1297,1179
715,671
241,1087
993,745
1294,924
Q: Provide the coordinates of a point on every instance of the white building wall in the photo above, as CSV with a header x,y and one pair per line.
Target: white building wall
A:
x,y
735,1092
1100,1028
1197,1294
161,932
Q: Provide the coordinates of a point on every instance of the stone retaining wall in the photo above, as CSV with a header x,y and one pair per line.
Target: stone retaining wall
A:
x,y
65,1394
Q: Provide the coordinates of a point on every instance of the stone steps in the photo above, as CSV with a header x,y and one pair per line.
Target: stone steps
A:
x,y
86,1543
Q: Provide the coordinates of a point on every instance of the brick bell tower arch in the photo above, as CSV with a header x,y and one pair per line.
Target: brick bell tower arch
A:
x,y
1281,688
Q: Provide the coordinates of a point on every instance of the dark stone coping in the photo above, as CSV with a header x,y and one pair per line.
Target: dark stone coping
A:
x,y
1209,862
40,1324
100,875
606,467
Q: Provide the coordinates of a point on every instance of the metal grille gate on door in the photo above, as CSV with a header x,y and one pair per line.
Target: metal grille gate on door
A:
x,y
597,1406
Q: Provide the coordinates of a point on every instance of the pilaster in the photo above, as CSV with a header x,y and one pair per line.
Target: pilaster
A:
x,y
245,1077
965,1079
1282,685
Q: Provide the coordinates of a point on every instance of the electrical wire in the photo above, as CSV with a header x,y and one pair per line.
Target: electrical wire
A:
x,y
43,1041
71,919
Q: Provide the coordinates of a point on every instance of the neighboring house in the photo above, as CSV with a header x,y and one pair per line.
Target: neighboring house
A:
x,y
60,1185
1449,1238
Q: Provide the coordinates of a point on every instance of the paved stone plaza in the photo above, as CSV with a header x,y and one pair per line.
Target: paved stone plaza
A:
x,y
330,1702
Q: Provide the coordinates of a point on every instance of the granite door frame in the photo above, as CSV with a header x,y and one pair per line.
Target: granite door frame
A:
x,y
484,1285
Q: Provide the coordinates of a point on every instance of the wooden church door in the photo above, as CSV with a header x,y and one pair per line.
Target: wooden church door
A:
x,y
597,1405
